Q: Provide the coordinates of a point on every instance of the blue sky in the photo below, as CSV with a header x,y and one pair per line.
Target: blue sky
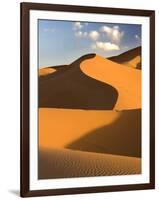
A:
x,y
62,42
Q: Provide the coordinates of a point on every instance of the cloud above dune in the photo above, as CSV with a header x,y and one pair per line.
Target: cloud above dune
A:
x,y
137,37
77,26
105,46
104,38
113,33
81,34
78,32
94,35
49,30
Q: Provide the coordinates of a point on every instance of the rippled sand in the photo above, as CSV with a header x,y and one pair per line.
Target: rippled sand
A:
x,y
64,163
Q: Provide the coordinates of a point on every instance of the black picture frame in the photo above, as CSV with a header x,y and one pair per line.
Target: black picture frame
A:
x,y
25,92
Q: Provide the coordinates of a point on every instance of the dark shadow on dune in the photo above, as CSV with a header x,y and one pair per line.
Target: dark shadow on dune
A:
x,y
138,66
69,87
127,56
123,137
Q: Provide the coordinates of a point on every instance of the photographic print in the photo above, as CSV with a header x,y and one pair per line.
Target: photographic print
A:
x,y
87,99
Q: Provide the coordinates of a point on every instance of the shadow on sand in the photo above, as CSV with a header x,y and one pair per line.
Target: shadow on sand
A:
x,y
75,90
122,137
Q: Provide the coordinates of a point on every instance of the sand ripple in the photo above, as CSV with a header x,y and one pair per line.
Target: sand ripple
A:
x,y
64,163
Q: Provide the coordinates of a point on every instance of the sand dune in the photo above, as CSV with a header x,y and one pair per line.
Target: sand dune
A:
x,y
60,127
90,117
46,70
126,80
131,58
74,89
62,163
121,137
94,131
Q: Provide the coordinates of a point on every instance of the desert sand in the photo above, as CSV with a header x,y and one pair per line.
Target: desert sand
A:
x,y
90,118
92,131
126,80
73,89
64,163
45,71
131,58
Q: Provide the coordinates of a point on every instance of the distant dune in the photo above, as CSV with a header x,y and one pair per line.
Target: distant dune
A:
x,y
63,163
126,80
94,131
45,71
131,58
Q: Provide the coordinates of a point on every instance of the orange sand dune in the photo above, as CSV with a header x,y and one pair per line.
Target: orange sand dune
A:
x,y
90,118
59,127
94,131
46,70
69,87
131,58
63,163
126,80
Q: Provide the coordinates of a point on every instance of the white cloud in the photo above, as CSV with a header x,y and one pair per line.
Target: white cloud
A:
x,y
116,27
105,46
94,35
81,34
137,37
49,30
106,29
114,33
85,34
77,25
78,34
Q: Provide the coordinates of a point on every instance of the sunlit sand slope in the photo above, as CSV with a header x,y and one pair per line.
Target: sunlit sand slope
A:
x,y
126,80
60,127
94,131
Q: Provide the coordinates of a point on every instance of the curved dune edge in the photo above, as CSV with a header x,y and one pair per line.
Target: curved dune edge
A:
x,y
46,70
63,163
60,127
126,80
130,58
133,62
70,88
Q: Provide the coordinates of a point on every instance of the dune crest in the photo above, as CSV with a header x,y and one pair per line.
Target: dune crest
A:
x,y
69,87
126,80
134,63
131,58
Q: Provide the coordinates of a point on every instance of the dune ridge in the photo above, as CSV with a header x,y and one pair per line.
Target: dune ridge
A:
x,y
75,90
131,58
126,80
90,117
